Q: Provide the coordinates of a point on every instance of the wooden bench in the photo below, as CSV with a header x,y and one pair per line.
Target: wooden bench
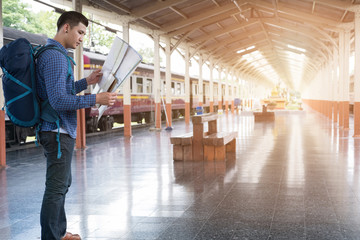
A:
x,y
198,122
200,145
264,115
182,147
217,144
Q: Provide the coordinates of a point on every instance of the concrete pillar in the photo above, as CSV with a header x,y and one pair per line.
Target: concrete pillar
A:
x,y
187,85
168,82
357,76
127,90
157,81
79,74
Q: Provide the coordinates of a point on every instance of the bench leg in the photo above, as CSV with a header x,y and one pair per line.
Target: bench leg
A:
x,y
178,153
231,146
187,153
220,153
209,153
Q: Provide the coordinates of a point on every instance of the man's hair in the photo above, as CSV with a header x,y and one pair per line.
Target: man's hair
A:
x,y
72,18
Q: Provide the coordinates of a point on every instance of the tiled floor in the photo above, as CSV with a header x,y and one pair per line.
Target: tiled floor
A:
x,y
297,178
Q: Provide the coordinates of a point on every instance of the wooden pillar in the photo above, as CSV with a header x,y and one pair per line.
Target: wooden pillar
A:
x,y
330,89
157,81
2,101
232,94
79,74
127,91
2,137
237,92
335,87
357,76
346,78
226,97
219,91
168,82
187,85
211,88
201,82
341,78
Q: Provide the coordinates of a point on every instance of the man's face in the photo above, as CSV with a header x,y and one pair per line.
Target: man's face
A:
x,y
75,35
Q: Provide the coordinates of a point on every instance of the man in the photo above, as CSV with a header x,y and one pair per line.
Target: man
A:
x,y
56,83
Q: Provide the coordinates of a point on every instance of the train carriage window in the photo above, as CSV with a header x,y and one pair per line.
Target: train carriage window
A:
x,y
195,89
139,83
163,87
131,84
182,88
172,88
178,89
207,89
148,85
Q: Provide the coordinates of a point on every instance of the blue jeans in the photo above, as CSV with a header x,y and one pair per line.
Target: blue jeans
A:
x,y
58,181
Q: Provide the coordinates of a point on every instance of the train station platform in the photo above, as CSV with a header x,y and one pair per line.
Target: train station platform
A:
x,y
295,178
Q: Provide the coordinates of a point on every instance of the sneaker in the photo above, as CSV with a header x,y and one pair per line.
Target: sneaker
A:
x,y
70,236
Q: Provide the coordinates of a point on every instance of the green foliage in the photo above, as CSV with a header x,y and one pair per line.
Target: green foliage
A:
x,y
48,20
97,38
16,14
147,54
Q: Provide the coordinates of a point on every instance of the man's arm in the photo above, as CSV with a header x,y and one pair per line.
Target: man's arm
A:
x,y
93,78
58,87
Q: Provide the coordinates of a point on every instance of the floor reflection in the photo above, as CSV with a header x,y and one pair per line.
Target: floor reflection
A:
x,y
4,208
294,178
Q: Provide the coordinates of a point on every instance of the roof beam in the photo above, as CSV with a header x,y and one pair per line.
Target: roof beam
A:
x,y
230,40
224,31
204,15
153,6
202,23
303,16
301,31
343,5
118,6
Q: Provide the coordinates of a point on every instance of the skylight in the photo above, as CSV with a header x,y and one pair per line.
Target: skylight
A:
x,y
245,49
297,48
257,60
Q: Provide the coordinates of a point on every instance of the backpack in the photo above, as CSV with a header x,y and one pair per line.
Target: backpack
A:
x,y
22,105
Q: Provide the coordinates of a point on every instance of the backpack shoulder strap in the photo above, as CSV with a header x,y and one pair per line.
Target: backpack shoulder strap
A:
x,y
47,112
42,48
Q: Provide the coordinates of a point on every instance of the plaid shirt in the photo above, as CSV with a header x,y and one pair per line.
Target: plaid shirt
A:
x,y
53,83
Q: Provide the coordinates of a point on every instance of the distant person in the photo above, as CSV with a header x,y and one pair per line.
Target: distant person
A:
x,y
57,84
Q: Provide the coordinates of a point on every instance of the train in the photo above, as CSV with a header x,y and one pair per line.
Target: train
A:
x,y
142,98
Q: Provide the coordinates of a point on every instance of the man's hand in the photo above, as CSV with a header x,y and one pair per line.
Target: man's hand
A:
x,y
106,98
94,77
